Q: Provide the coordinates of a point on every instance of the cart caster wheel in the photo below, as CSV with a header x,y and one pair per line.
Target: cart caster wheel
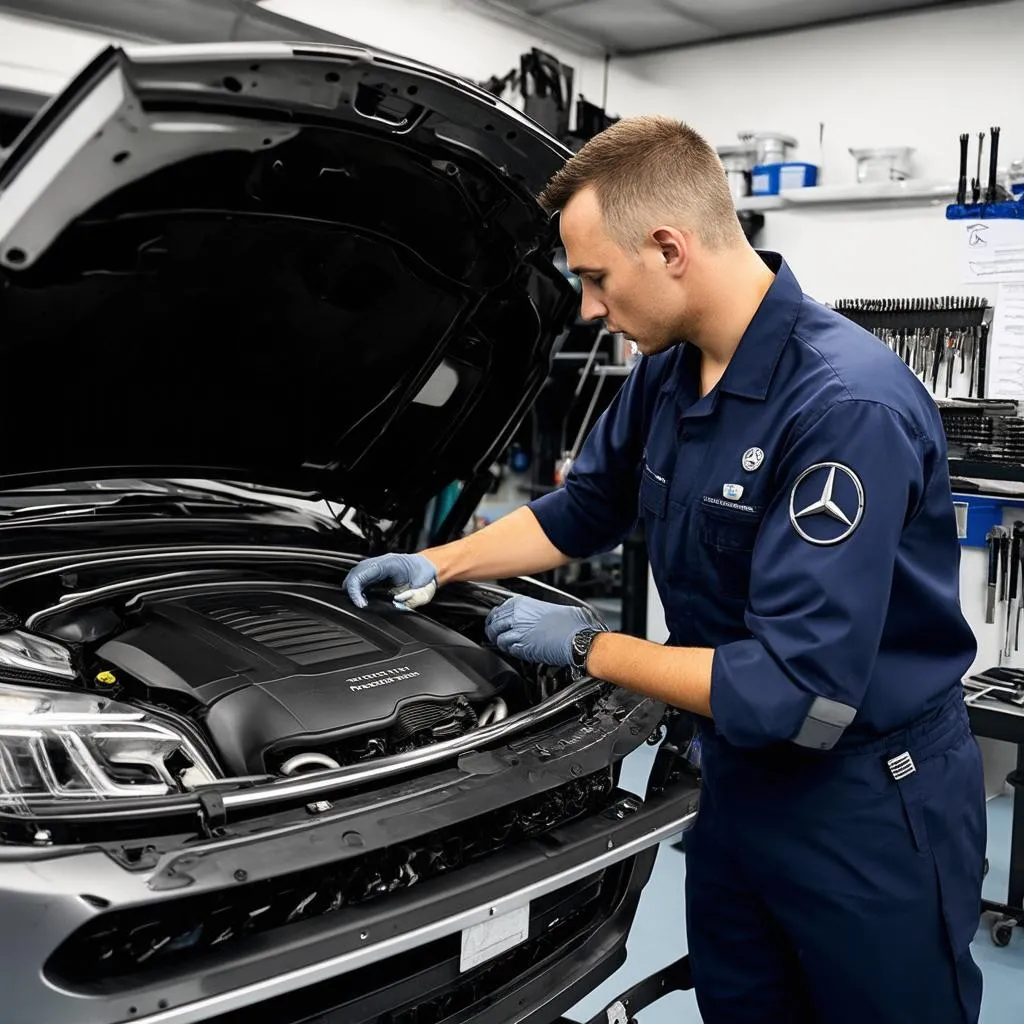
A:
x,y
1002,932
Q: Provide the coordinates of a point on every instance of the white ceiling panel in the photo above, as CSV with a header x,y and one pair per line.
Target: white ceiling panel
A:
x,y
638,26
734,17
545,6
630,24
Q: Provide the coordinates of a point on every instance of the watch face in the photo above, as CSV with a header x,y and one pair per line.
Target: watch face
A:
x,y
581,642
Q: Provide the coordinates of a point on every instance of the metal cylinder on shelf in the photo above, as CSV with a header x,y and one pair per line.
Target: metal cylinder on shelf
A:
x,y
770,147
738,161
883,163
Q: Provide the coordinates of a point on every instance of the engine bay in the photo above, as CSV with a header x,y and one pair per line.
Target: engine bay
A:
x,y
278,674
287,679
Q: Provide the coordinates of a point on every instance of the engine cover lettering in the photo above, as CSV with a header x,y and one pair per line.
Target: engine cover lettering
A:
x,y
373,679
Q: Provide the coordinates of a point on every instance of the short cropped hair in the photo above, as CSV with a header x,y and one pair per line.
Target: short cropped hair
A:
x,y
647,171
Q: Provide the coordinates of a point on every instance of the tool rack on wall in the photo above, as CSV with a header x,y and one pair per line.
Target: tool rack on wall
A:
x,y
943,340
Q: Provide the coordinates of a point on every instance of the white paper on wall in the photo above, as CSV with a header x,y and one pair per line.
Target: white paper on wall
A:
x,y
992,251
1006,344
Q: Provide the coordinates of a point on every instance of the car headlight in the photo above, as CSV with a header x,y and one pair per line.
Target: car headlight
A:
x,y
58,746
24,652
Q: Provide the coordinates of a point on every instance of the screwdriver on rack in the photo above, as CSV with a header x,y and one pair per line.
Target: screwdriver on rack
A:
x,y
976,182
961,190
992,540
1011,604
992,193
1020,603
1004,560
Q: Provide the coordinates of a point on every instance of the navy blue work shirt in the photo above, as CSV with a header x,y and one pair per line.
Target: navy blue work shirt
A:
x,y
799,520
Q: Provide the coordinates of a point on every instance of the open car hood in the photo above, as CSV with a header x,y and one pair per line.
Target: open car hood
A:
x,y
315,267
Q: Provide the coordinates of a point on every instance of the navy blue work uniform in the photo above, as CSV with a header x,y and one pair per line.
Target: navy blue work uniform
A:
x,y
799,520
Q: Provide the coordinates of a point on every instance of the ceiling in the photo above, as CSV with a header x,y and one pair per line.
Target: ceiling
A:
x,y
643,26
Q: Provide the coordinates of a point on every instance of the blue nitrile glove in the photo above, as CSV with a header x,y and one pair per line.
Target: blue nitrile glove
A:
x,y
537,631
414,579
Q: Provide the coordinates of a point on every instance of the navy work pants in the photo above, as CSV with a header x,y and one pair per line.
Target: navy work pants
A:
x,y
819,889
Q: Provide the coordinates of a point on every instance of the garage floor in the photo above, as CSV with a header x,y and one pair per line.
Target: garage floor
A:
x,y
659,936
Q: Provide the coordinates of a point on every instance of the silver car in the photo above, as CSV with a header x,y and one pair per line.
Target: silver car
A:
x,y
259,306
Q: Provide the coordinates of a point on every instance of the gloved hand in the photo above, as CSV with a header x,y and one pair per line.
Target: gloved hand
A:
x,y
537,631
414,579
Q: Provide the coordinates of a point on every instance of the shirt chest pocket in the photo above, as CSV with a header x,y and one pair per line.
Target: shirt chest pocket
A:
x,y
653,494
725,547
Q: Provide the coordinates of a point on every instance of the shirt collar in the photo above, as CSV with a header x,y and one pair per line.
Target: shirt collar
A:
x,y
752,366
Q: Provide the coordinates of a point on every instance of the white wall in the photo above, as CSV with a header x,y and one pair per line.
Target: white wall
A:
x,y
40,58
918,79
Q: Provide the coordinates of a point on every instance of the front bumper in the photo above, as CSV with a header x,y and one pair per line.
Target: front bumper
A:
x,y
536,989
367,961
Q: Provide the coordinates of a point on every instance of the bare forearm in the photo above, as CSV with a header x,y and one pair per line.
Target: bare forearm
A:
x,y
680,676
514,545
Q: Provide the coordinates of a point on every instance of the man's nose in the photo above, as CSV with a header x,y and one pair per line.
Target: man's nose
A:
x,y
592,309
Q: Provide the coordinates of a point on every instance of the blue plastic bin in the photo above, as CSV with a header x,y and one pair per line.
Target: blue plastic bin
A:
x,y
769,179
981,513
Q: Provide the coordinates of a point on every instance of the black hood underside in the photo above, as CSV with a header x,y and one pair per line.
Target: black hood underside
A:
x,y
350,295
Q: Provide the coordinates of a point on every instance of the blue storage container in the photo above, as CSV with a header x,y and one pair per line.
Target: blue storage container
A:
x,y
1012,209
975,517
769,179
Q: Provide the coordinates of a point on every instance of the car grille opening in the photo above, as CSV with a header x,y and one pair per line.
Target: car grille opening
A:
x,y
127,944
425,985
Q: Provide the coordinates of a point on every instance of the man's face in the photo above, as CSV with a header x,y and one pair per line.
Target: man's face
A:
x,y
632,292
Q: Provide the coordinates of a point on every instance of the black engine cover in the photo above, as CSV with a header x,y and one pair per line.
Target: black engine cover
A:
x,y
283,669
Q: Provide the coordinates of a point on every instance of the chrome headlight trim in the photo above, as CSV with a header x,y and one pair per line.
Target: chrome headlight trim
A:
x,y
56,745
25,652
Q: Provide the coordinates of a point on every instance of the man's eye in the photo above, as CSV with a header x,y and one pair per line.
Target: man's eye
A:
x,y
597,282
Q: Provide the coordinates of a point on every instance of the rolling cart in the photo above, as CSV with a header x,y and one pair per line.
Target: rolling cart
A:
x,y
996,711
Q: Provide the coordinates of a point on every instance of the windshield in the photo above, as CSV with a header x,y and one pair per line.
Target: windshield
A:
x,y
87,498
101,491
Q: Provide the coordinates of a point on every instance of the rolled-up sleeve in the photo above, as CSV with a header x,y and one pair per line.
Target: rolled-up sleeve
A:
x,y
821,577
597,506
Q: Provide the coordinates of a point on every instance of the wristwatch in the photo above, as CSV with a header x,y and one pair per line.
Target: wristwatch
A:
x,y
581,644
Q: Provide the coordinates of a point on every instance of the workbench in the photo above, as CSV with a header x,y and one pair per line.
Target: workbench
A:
x,y
993,716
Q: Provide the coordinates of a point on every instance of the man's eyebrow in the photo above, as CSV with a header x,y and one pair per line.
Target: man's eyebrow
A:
x,y
580,271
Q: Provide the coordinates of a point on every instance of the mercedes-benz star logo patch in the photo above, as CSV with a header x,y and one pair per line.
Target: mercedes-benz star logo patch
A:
x,y
752,459
827,503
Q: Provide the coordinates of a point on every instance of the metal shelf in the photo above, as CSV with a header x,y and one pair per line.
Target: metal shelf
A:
x,y
887,193
759,203
911,191
986,471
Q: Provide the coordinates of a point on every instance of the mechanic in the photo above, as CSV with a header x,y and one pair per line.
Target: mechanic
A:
x,y
791,476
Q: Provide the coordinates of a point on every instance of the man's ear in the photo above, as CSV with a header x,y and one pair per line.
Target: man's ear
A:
x,y
674,248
